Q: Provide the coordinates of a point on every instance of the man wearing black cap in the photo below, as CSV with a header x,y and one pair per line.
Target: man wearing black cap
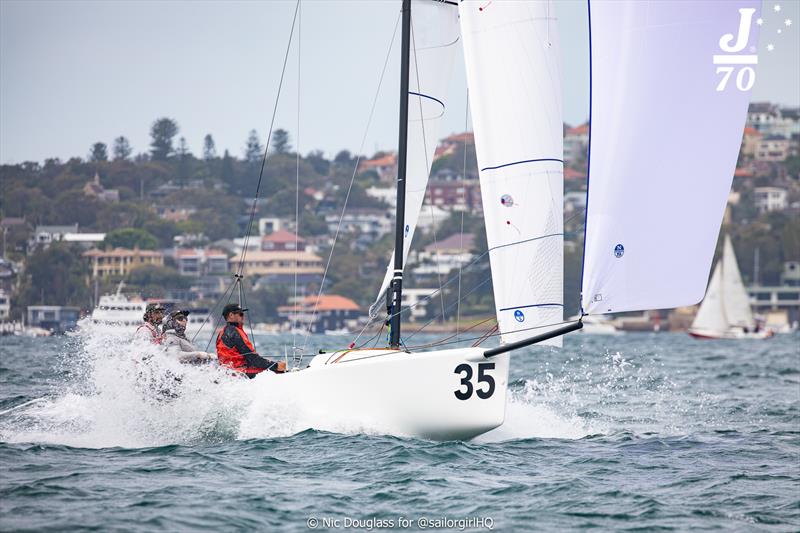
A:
x,y
153,314
234,348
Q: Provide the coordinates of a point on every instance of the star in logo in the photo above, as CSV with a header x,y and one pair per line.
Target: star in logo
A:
x,y
788,22
759,21
770,47
776,8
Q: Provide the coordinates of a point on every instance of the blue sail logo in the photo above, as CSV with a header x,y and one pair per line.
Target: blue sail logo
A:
x,y
519,316
619,251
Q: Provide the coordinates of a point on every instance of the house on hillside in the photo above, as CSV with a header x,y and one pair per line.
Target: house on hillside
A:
x,y
282,241
279,265
121,261
455,195
201,262
385,166
439,258
94,189
318,315
576,142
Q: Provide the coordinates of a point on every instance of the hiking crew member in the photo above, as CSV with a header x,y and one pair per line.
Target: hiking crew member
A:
x,y
235,350
153,314
176,343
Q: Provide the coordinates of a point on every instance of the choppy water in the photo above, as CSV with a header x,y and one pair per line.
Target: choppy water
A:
x,y
637,432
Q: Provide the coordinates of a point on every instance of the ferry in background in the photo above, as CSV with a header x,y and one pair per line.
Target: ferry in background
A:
x,y
124,314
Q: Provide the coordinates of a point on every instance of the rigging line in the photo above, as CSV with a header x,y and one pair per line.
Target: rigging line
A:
x,y
463,209
249,319
352,179
266,148
428,168
499,333
444,339
429,322
297,181
214,306
468,266
220,317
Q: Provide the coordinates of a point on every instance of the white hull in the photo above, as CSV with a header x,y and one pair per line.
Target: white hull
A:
x,y
731,334
410,394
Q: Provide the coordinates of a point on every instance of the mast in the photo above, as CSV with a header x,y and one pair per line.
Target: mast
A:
x,y
394,293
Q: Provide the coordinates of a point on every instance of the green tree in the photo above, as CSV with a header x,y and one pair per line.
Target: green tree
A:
x,y
253,151
130,238
55,276
99,152
122,149
280,141
209,148
162,133
153,281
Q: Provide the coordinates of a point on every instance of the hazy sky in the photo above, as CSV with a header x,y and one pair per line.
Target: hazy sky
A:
x,y
74,72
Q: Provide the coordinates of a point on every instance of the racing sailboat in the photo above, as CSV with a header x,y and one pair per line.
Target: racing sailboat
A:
x,y
655,199
725,312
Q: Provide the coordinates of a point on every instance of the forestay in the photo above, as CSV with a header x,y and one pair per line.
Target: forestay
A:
x,y
670,84
513,71
434,42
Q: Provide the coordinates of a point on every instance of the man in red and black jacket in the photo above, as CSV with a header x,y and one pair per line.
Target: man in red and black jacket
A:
x,y
235,350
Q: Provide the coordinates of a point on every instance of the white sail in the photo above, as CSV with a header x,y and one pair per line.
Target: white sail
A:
x,y
735,298
434,43
711,315
512,56
670,84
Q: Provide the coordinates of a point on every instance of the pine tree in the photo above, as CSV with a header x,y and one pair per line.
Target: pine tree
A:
x,y
162,132
280,141
122,149
99,152
253,152
209,148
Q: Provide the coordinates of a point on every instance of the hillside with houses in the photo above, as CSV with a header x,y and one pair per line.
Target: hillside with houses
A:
x,y
173,225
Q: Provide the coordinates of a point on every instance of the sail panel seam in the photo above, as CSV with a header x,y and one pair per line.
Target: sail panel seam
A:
x,y
531,305
526,240
542,160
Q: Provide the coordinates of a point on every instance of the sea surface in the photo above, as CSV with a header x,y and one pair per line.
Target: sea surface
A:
x,y
638,432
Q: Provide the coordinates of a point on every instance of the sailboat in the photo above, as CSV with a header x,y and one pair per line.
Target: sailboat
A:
x,y
725,312
652,67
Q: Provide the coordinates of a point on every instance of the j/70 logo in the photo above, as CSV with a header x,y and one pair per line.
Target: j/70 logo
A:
x,y
732,59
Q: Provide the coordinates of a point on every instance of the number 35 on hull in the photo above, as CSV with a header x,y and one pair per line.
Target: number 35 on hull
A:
x,y
440,395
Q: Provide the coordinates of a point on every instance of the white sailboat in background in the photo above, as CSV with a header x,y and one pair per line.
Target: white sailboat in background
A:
x,y
725,312
646,61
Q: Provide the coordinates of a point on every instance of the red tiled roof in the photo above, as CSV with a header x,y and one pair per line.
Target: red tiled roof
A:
x,y
454,242
281,236
330,302
748,131
467,136
579,130
743,173
572,174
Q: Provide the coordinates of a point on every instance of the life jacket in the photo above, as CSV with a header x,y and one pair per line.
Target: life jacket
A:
x,y
230,356
155,336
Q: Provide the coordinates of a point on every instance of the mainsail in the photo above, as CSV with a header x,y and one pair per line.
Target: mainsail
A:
x,y
670,84
434,42
512,56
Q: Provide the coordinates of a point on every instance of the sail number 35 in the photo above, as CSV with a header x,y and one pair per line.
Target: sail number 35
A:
x,y
466,389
